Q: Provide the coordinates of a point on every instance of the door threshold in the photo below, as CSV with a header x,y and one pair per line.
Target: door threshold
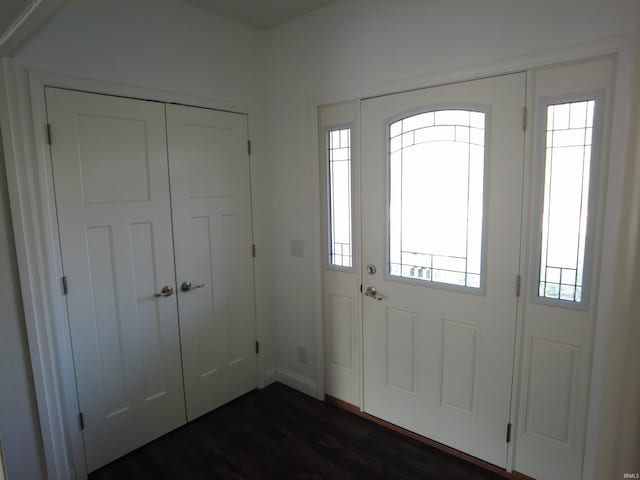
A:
x,y
336,402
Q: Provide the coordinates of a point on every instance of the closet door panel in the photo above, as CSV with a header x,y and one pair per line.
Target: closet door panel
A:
x,y
211,204
111,182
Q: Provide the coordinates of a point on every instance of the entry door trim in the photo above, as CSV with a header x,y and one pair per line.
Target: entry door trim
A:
x,y
621,46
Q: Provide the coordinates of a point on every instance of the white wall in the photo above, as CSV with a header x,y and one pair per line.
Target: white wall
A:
x,y
341,50
620,429
19,429
176,47
362,45
163,44
166,45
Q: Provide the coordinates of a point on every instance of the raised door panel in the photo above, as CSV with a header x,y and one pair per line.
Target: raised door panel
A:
x,y
459,365
114,162
401,351
210,333
115,381
340,331
551,381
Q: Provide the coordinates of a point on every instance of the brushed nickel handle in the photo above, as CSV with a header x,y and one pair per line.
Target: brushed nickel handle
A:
x,y
373,293
188,286
166,291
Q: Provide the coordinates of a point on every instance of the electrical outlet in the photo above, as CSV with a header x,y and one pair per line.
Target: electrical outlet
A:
x,y
297,248
302,354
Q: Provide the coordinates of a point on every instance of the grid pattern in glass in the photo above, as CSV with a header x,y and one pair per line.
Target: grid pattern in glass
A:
x,y
568,137
436,197
339,182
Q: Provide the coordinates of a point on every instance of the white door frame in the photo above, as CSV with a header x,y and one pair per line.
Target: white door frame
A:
x,y
27,157
623,47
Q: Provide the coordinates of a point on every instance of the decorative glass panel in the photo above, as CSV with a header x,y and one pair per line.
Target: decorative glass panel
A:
x,y
436,199
339,183
568,134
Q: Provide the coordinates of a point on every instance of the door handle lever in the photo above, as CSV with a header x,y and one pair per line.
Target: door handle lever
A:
x,y
188,286
373,293
166,291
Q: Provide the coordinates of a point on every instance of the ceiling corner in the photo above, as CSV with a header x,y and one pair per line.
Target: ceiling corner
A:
x,y
21,19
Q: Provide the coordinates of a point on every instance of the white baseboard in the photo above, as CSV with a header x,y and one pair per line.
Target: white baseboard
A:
x,y
299,382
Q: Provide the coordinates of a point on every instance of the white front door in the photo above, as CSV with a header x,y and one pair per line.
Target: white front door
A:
x,y
211,201
111,181
441,215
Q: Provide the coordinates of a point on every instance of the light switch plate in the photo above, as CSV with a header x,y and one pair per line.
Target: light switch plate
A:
x,y
302,354
297,248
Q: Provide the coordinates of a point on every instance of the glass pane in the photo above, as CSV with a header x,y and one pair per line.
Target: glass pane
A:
x,y
339,183
436,191
566,199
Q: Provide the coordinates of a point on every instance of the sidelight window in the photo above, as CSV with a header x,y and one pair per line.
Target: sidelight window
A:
x,y
568,137
339,164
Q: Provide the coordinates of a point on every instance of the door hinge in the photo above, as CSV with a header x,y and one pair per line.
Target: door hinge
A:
x,y
360,288
508,433
81,420
257,347
249,146
525,116
518,282
49,133
253,250
65,286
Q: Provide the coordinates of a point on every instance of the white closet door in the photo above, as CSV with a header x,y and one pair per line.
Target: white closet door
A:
x,y
112,193
211,201
441,209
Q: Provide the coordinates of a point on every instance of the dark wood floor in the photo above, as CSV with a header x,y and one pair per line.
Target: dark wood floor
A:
x,y
280,433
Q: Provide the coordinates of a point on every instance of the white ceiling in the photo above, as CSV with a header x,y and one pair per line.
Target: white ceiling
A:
x,y
10,11
261,13
258,13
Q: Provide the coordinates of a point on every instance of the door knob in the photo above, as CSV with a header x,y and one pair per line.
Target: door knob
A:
x,y
373,293
188,286
166,291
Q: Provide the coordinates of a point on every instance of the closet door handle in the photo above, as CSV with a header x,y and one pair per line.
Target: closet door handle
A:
x,y
166,291
188,286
